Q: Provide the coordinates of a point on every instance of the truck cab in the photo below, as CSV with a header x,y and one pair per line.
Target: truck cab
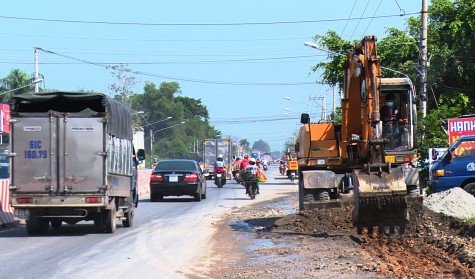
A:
x,y
456,167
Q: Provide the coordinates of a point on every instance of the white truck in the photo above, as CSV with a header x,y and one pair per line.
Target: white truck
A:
x,y
212,148
72,159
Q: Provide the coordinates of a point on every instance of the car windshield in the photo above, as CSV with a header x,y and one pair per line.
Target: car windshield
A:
x,y
175,166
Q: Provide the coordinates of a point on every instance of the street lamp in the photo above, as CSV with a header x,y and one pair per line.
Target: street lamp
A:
x,y
290,99
182,122
152,133
148,124
33,83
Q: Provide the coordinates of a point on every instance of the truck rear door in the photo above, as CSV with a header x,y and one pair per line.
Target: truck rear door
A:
x,y
58,154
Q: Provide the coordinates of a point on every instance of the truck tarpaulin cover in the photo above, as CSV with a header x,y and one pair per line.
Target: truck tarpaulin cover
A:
x,y
119,117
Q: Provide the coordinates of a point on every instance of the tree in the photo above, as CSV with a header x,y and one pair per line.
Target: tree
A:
x,y
17,81
245,144
261,146
122,89
337,49
163,102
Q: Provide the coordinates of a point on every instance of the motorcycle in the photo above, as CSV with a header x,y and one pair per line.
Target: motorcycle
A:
x,y
251,189
291,175
282,169
265,167
219,177
249,179
237,177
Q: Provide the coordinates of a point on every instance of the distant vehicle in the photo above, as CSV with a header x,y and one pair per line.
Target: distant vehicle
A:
x,y
456,167
212,148
177,178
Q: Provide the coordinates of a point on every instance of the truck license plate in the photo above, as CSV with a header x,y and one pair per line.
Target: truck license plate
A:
x,y
173,178
22,214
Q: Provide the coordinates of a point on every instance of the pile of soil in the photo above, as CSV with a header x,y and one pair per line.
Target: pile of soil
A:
x,y
434,245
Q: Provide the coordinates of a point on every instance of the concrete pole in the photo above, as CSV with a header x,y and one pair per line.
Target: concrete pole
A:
x,y
151,142
37,88
423,61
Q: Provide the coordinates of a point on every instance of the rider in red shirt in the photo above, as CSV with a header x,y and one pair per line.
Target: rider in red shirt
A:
x,y
244,162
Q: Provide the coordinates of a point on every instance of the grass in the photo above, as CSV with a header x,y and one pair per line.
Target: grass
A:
x,y
470,220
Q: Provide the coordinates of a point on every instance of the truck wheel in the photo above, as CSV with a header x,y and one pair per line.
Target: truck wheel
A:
x,y
37,226
129,217
110,221
99,222
470,188
56,224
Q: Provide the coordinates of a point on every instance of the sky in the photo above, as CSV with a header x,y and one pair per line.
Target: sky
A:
x,y
245,60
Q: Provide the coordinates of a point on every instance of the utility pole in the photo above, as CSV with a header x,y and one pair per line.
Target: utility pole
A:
x,y
151,144
37,88
423,61
334,102
324,109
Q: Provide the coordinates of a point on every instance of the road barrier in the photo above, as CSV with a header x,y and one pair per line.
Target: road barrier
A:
x,y
6,212
143,181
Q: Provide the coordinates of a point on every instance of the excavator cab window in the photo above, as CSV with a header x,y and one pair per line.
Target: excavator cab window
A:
x,y
394,108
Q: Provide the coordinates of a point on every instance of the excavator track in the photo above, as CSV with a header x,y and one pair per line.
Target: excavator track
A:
x,y
380,202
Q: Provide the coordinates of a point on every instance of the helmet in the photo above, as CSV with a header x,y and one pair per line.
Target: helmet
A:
x,y
246,156
252,160
220,156
238,158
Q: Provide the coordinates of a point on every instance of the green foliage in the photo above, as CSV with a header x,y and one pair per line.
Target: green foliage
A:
x,y
181,140
398,51
337,49
451,72
261,146
17,82
451,48
122,89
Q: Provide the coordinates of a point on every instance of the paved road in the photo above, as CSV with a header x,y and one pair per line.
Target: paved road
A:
x,y
165,241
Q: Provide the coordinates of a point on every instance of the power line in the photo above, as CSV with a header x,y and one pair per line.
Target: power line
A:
x,y
367,3
179,78
198,24
371,20
179,62
351,13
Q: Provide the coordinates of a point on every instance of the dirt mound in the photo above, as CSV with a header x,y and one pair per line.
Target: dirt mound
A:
x,y
435,245
454,202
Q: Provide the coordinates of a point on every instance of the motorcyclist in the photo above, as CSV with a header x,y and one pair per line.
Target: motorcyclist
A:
x,y
219,167
258,163
236,166
282,165
253,167
243,164
154,163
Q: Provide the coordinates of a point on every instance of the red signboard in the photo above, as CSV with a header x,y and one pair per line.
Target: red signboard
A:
x,y
460,127
5,118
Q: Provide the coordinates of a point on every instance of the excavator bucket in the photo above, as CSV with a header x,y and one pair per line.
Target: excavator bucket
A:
x,y
380,201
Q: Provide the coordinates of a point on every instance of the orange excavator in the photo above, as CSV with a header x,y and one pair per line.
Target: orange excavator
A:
x,y
371,155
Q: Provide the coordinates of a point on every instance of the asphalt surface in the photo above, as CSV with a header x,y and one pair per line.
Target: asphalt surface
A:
x,y
165,241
